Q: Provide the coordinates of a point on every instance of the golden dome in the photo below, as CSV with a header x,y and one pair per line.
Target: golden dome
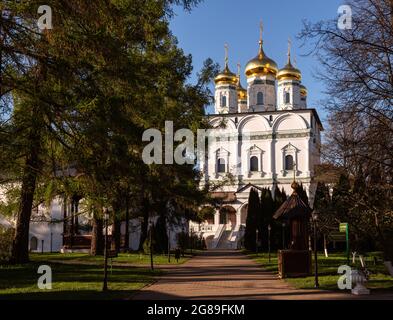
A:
x,y
241,92
226,77
261,64
303,90
289,72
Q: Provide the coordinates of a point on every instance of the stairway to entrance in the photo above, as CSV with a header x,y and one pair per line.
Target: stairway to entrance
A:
x,y
223,243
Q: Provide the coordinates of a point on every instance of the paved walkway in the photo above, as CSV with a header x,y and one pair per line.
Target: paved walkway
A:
x,y
229,275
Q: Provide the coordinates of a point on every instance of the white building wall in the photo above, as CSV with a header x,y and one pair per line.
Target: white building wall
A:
x,y
49,234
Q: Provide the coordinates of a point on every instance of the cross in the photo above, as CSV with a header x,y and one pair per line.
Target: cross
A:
x,y
226,54
260,30
289,49
238,69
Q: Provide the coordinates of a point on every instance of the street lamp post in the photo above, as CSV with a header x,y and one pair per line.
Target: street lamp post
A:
x,y
315,219
106,219
269,228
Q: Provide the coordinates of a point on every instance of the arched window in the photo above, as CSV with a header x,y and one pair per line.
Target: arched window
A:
x,y
223,101
288,162
33,244
221,165
287,97
254,164
259,98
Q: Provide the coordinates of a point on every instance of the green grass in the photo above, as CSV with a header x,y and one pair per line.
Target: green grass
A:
x,y
327,271
79,276
76,276
123,258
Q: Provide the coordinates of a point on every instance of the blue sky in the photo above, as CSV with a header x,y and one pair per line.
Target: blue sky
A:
x,y
203,33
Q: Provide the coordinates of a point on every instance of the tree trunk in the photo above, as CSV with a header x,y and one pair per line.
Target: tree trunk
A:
x,y
20,247
97,239
325,246
144,223
127,233
116,230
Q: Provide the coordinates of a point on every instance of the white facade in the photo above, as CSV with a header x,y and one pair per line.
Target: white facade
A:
x,y
269,142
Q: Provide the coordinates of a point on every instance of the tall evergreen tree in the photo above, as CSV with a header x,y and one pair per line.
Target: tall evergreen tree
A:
x,y
95,100
251,222
267,211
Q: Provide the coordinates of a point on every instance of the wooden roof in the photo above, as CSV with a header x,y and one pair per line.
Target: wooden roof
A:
x,y
293,207
224,196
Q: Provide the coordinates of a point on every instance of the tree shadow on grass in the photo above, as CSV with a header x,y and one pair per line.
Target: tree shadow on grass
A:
x,y
72,281
70,295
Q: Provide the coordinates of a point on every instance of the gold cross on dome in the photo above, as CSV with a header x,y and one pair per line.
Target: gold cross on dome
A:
x,y
260,30
226,54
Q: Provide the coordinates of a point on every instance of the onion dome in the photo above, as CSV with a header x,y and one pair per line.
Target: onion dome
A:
x,y
226,76
261,64
303,90
289,72
241,92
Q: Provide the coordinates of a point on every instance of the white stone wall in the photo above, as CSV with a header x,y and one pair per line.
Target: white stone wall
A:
x,y
293,88
268,90
229,91
270,137
49,235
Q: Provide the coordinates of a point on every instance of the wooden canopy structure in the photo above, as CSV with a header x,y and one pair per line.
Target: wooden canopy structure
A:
x,y
297,213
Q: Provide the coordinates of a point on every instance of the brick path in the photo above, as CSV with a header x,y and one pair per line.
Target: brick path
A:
x,y
229,275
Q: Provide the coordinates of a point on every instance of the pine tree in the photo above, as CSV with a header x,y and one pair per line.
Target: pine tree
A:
x,y
251,222
93,102
302,193
341,198
267,212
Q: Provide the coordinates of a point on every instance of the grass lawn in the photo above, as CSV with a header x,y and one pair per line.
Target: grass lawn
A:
x,y
327,269
123,258
79,276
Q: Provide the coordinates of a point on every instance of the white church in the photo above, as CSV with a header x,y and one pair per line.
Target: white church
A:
x,y
265,136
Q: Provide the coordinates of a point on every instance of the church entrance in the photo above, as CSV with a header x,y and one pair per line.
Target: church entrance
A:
x,y
228,215
243,214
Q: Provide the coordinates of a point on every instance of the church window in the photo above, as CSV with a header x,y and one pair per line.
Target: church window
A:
x,y
254,164
289,162
221,165
224,101
287,97
33,244
259,98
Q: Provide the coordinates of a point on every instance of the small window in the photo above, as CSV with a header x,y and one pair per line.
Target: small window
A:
x,y
288,162
221,165
33,244
287,97
223,101
271,118
254,164
260,98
